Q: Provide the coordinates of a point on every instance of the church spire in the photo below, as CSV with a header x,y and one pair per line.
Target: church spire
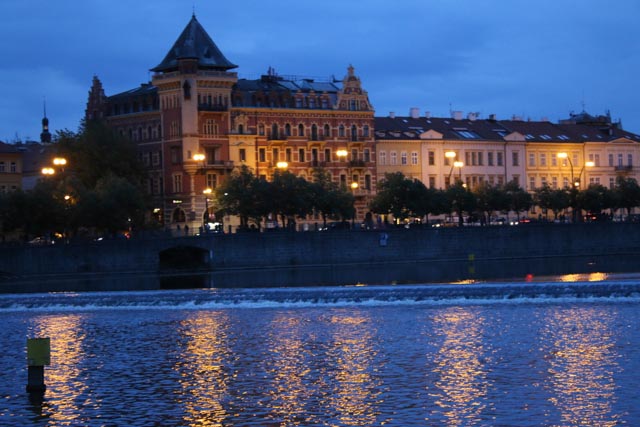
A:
x,y
45,135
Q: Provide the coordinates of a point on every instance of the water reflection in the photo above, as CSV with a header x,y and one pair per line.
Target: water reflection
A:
x,y
461,384
203,367
584,277
65,379
291,377
352,365
581,365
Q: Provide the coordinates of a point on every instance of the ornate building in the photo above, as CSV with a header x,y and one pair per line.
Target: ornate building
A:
x,y
196,121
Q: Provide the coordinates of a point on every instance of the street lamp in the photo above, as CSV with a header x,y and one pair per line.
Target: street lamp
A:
x,y
282,165
563,155
450,155
458,165
588,164
205,218
198,157
48,171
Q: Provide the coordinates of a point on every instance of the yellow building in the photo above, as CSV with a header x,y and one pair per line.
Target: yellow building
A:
x,y
10,168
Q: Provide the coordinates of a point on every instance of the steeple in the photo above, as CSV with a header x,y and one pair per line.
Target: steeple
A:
x,y
97,101
45,135
194,43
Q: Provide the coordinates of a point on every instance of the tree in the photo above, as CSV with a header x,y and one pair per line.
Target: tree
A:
x,y
291,197
555,200
594,199
489,199
241,195
394,196
518,199
461,200
628,193
329,199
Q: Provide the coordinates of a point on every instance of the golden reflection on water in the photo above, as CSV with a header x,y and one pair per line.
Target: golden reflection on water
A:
x,y
289,371
64,378
581,365
203,378
462,382
351,366
584,277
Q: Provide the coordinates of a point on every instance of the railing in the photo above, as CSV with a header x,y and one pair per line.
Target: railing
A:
x,y
625,168
211,107
219,164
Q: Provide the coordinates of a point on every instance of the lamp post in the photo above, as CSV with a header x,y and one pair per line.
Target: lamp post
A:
x,y
205,218
588,164
563,155
458,165
450,155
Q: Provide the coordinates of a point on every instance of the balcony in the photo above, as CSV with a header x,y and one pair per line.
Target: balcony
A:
x,y
212,107
357,163
624,169
219,164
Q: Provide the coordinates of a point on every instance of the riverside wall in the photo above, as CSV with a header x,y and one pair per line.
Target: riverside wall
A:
x,y
495,246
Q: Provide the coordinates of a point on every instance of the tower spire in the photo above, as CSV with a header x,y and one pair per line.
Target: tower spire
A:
x,y
45,135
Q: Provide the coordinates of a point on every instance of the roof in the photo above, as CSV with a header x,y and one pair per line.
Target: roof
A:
x,y
276,91
194,43
402,128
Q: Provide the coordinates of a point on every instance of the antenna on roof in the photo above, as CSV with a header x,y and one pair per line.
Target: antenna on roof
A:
x,y
193,10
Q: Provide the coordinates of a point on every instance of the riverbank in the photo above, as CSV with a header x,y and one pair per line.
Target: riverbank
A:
x,y
323,258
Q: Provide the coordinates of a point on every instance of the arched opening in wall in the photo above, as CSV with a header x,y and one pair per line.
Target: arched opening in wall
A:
x,y
184,258
178,215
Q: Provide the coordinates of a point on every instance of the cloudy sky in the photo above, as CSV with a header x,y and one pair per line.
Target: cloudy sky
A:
x,y
535,59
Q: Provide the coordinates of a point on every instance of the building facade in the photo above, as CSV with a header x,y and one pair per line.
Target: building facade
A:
x,y
576,152
196,121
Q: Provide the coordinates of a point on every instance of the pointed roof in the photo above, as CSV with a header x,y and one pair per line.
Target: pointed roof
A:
x,y
194,43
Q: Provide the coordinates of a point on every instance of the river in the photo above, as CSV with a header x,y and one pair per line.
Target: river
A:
x,y
556,351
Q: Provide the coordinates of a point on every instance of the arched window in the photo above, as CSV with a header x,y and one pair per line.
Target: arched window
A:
x,y
341,131
365,131
300,129
241,129
314,132
274,131
354,133
327,131
287,129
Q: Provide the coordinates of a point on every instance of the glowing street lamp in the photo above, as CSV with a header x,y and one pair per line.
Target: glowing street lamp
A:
x,y
48,171
282,165
450,155
59,161
198,157
205,218
458,165
342,154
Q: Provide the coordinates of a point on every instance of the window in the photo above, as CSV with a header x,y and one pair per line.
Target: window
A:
x,y
176,155
610,159
287,129
287,155
275,155
543,159
565,182
612,183
14,168
432,182
490,158
499,158
367,182
354,133
393,158
367,155
365,130
212,180
300,129
354,154
301,155
403,158
262,155
554,160
327,154
327,131
480,158
515,158
314,132
261,130
532,183
432,158
554,182
341,131
2,167
594,180
274,131
210,127
177,183
243,154
414,157
382,155
629,160
532,159
619,159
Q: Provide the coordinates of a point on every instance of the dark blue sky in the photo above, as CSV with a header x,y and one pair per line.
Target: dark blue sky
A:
x,y
534,59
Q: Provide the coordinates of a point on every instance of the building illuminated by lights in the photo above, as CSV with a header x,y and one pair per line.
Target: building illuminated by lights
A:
x,y
580,151
196,121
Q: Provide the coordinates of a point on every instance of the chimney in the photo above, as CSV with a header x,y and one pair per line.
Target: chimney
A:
x,y
492,117
427,114
456,115
392,115
414,112
472,116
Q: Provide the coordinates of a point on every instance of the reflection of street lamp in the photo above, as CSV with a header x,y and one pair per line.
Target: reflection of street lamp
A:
x,y
205,217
